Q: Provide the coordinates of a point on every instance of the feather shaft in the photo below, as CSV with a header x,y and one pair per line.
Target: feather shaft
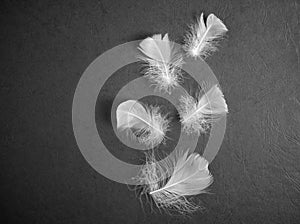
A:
x,y
146,122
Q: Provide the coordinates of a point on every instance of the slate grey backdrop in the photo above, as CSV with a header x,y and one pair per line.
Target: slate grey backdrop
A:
x,y
46,46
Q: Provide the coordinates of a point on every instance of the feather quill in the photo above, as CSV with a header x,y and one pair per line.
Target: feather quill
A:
x,y
188,175
163,62
201,40
146,123
197,114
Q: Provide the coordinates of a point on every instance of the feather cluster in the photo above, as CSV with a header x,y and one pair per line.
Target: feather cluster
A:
x,y
197,114
163,62
202,38
145,123
169,184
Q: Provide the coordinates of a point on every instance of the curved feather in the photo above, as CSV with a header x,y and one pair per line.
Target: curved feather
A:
x,y
197,114
147,124
202,38
163,62
189,175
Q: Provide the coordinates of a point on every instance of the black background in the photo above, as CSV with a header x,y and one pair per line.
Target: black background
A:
x,y
46,46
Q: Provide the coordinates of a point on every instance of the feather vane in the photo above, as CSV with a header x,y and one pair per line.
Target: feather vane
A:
x,y
147,124
202,39
163,62
197,114
189,175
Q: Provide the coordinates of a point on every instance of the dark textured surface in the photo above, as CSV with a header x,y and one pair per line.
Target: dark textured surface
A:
x,y
45,47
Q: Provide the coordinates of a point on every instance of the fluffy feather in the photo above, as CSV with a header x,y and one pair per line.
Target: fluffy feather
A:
x,y
163,62
188,175
197,114
146,123
202,39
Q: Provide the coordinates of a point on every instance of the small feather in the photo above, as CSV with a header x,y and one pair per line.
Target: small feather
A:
x,y
197,114
201,40
163,62
189,175
146,123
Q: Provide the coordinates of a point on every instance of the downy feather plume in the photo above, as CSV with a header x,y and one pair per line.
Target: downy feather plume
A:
x,y
163,62
197,114
202,38
169,184
146,124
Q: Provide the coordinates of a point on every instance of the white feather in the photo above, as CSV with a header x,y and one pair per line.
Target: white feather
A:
x,y
163,62
202,38
189,175
197,114
146,123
